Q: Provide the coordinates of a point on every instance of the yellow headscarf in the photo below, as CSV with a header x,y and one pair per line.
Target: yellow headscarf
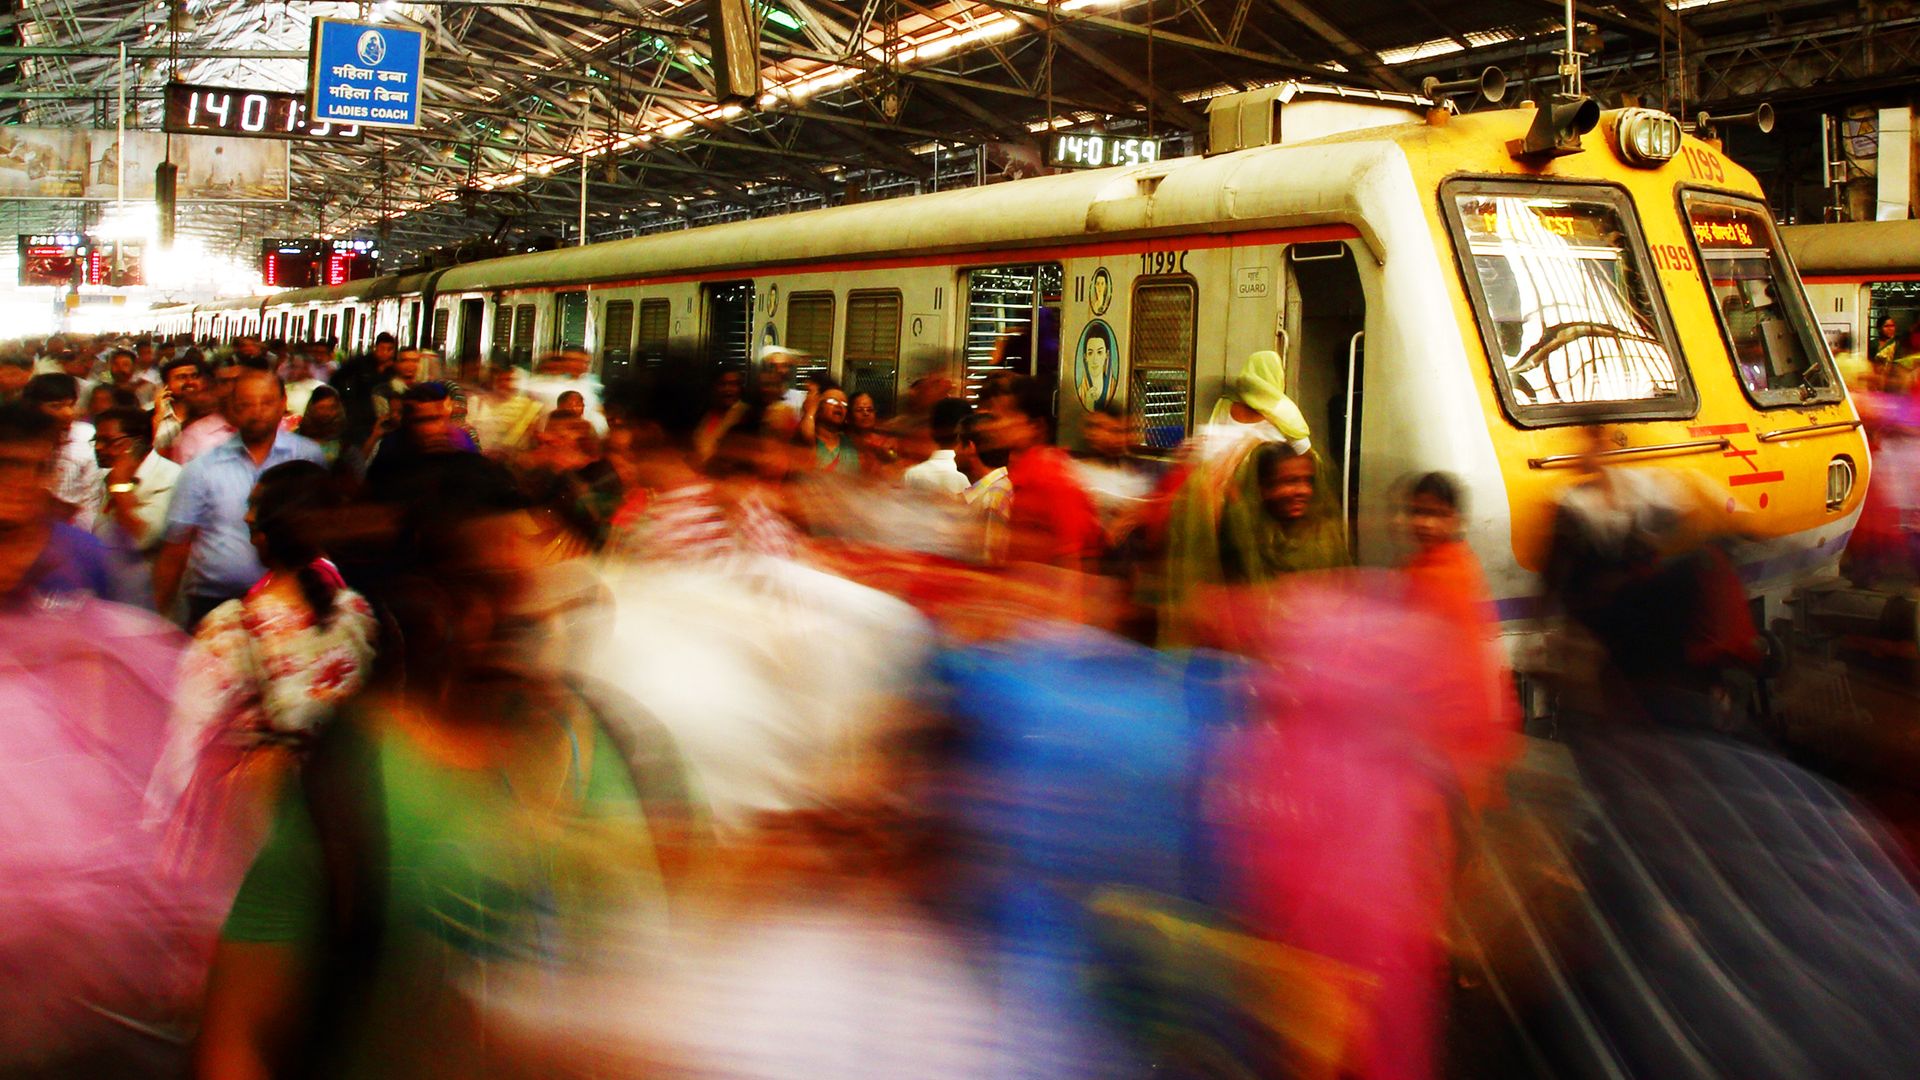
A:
x,y
1262,387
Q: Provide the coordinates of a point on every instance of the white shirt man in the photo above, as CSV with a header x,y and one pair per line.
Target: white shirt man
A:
x,y
938,475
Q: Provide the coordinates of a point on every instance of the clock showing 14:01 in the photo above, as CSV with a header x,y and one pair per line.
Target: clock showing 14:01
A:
x,y
1093,150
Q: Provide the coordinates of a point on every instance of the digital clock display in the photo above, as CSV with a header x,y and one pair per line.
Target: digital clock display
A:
x,y
252,114
1090,150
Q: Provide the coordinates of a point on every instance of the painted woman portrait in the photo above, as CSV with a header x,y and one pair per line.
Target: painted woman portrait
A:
x,y
1096,365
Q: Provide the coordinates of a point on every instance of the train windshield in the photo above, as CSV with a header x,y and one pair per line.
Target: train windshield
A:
x,y
1762,312
1559,280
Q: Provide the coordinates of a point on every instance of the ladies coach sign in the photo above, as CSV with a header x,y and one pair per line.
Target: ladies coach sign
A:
x,y
365,74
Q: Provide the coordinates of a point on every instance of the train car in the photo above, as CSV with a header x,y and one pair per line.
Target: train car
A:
x,y
1450,291
1859,274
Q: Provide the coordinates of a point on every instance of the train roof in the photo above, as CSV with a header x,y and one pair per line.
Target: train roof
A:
x,y
1854,247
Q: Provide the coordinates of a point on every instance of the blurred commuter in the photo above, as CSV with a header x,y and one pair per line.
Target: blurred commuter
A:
x,y
1053,520
42,557
677,511
912,427
940,473
1119,481
1480,732
212,426
15,369
1632,563
424,430
569,369
727,410
135,495
182,391
323,422
989,493
123,373
570,405
825,427
879,455
263,676
208,556
503,418
458,827
358,379
301,382
76,483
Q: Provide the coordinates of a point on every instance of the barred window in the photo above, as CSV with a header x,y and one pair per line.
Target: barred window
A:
x,y
616,339
439,338
656,321
810,330
569,320
523,317
1160,398
873,346
502,333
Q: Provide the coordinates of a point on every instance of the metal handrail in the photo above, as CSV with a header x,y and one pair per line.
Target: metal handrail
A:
x,y
1809,429
1694,447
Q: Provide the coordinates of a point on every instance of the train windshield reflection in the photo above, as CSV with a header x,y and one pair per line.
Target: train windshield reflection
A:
x,y
1563,292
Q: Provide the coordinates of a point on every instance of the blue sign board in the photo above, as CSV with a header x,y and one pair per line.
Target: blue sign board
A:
x,y
365,74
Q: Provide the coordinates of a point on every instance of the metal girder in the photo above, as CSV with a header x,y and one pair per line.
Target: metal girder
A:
x,y
1279,64
1352,52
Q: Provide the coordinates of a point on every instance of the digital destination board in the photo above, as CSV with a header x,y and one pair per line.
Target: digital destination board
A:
x,y
302,262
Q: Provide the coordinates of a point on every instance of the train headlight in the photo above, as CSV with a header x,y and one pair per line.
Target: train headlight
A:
x,y
1646,138
1839,481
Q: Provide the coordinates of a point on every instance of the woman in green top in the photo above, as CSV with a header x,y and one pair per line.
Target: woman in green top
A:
x,y
457,825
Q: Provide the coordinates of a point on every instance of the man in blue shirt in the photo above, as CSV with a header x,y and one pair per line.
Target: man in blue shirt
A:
x,y
209,545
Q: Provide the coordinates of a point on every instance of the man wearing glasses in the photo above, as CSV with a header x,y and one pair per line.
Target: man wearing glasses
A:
x,y
138,485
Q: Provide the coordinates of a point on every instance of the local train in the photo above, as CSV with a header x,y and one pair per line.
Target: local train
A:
x,y
1457,291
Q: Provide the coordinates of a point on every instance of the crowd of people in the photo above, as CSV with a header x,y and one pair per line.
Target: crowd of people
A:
x,y
380,715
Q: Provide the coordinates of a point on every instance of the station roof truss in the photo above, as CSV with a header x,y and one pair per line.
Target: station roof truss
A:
x,y
526,101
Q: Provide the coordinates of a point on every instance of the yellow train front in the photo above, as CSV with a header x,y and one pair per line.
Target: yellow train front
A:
x,y
1633,277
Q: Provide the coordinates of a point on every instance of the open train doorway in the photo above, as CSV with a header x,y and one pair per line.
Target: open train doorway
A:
x,y
1013,323
730,325
1326,322
473,317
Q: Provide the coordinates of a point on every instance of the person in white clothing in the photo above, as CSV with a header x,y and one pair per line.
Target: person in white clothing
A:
x,y
940,473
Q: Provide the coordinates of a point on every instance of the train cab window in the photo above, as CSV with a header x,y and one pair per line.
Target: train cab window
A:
x,y
521,351
1013,322
1160,397
656,325
1762,310
616,340
1559,276
570,319
810,331
872,355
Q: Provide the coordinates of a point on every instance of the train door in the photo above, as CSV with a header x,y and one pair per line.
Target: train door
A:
x,y
1326,327
570,320
730,324
1013,323
473,313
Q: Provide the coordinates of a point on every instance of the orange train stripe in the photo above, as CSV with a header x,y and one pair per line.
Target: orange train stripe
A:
x,y
1756,478
1718,429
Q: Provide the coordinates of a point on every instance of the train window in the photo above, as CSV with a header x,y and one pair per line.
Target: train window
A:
x,y
656,324
437,339
1560,283
1763,313
810,330
616,340
730,325
872,355
523,319
1013,322
1160,397
570,319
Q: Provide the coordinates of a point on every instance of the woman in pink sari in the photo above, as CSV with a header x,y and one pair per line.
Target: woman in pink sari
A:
x,y
263,674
